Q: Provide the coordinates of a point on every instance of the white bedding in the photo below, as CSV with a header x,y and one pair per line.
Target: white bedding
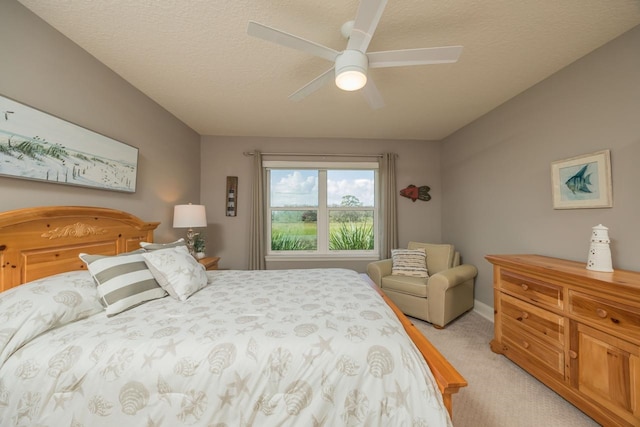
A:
x,y
253,348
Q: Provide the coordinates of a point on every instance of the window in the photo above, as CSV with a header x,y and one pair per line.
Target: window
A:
x,y
320,209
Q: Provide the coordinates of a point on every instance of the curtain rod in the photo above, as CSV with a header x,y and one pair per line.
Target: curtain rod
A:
x,y
251,153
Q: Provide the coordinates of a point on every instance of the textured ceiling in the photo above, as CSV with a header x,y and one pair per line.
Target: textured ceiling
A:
x,y
195,58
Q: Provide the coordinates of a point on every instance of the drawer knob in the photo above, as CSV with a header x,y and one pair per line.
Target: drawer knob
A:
x,y
602,313
525,287
573,354
525,344
525,315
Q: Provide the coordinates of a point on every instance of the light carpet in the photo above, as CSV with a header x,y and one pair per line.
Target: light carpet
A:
x,y
499,394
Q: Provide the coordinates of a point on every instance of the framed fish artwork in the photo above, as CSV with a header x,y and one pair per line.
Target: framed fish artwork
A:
x,y
582,182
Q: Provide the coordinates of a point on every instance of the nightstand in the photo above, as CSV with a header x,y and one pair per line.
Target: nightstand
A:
x,y
210,262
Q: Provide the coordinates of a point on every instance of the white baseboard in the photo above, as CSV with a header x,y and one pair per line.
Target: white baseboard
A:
x,y
483,310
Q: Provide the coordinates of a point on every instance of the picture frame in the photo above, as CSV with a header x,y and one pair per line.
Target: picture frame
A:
x,y
231,196
582,182
38,146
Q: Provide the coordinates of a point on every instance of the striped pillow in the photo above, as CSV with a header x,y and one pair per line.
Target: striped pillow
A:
x,y
409,262
124,281
147,246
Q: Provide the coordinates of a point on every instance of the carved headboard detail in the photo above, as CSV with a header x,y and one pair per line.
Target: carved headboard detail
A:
x,y
78,229
39,242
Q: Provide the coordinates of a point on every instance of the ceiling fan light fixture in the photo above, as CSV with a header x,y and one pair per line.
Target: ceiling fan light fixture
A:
x,y
351,70
351,80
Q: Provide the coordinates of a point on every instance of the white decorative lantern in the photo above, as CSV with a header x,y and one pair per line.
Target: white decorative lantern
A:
x,y
599,252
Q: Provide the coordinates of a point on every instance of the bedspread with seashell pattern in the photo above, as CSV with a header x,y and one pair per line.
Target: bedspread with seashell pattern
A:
x,y
253,348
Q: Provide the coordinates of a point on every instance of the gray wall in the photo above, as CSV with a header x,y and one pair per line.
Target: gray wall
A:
x,y
45,70
418,163
496,174
495,195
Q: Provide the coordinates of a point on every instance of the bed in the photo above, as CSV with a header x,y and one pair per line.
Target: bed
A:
x,y
250,348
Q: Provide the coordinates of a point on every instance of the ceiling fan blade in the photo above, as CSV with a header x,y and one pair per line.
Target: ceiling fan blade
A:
x,y
313,85
372,95
261,31
429,55
367,18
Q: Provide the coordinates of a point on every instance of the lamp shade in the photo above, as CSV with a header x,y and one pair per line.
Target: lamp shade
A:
x,y
188,216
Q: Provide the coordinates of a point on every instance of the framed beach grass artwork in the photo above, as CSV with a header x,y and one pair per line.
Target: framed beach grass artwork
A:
x,y
582,181
38,146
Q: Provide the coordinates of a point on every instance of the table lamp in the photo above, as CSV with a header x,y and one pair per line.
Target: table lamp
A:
x,y
189,216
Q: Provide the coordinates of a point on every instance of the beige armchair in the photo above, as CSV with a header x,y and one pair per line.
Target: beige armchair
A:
x,y
444,295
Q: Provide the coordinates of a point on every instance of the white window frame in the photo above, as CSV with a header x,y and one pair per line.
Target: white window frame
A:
x,y
322,253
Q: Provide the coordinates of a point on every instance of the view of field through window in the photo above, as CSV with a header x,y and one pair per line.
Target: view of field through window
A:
x,y
306,204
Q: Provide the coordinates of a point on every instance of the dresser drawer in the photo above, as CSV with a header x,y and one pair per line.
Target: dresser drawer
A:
x,y
525,348
531,289
618,318
544,324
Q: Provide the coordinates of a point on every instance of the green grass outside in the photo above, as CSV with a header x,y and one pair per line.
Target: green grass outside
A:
x,y
306,228
294,236
297,228
302,235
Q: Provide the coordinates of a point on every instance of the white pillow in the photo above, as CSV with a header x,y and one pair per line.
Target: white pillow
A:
x,y
124,281
409,262
177,271
29,310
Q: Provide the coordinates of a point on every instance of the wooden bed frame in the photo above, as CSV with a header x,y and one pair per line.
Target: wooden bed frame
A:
x,y
39,242
42,241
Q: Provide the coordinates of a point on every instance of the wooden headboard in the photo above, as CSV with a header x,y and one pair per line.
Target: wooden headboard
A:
x,y
39,242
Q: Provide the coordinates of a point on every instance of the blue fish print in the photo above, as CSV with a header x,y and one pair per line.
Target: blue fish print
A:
x,y
580,181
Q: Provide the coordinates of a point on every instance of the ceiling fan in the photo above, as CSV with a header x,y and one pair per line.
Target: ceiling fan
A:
x,y
350,66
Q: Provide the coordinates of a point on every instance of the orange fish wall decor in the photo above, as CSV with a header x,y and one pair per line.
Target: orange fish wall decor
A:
x,y
416,193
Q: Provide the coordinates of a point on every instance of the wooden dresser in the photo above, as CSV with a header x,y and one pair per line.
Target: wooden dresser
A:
x,y
576,330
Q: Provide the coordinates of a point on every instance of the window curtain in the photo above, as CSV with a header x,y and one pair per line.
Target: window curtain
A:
x,y
389,234
256,232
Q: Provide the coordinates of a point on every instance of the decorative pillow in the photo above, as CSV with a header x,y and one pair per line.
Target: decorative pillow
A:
x,y
29,310
177,271
124,281
409,262
157,246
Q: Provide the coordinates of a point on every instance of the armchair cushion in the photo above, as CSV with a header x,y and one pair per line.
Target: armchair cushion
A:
x,y
439,256
416,286
408,262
